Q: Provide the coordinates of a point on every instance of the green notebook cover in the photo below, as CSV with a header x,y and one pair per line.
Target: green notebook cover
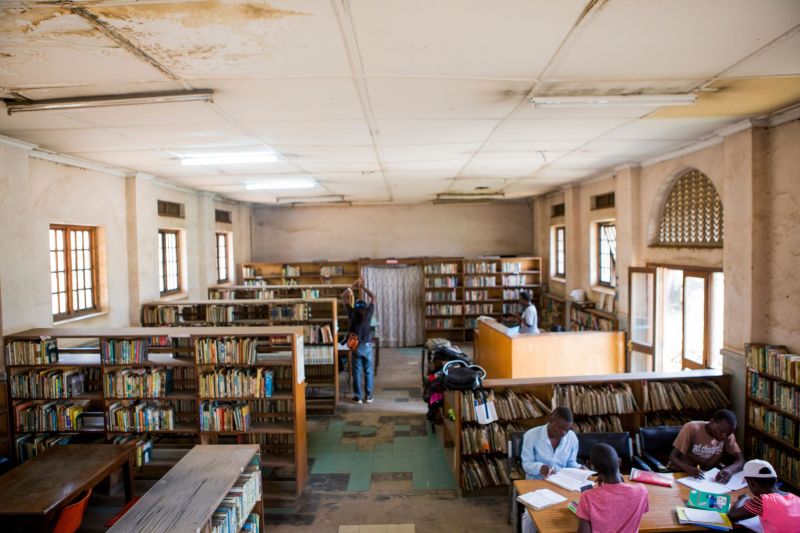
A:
x,y
710,502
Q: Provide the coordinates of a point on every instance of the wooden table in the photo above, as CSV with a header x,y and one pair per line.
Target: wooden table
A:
x,y
32,494
661,517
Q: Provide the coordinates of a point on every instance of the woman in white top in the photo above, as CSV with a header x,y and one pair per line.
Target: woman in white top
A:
x,y
529,319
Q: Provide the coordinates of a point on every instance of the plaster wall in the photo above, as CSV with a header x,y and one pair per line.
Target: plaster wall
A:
x,y
342,233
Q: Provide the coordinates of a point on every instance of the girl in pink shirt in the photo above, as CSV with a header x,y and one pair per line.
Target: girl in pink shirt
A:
x,y
613,506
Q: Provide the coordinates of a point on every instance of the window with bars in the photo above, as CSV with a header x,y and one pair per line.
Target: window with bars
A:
x,y
222,257
560,251
606,253
169,265
73,271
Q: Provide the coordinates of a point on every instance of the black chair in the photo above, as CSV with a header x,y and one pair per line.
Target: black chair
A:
x,y
515,471
654,444
620,441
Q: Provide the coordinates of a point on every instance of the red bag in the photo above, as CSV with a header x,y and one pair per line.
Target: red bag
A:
x,y
352,341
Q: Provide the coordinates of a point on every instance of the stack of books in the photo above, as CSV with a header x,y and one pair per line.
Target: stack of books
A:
x,y
52,383
703,395
234,511
598,424
318,355
490,438
318,334
230,350
123,351
787,465
781,395
484,471
40,352
509,405
778,425
773,360
595,399
224,416
144,447
62,415
236,383
141,416
138,383
28,445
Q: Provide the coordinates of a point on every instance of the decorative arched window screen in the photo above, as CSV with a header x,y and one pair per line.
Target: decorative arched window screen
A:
x,y
692,214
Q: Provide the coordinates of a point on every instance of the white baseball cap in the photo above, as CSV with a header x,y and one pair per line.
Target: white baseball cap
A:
x,y
759,469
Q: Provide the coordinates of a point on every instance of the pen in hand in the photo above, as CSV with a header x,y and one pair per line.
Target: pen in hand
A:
x,y
699,474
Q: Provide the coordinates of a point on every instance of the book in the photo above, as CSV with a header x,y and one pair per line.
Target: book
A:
x,y
651,478
707,484
541,499
573,479
573,507
702,518
720,503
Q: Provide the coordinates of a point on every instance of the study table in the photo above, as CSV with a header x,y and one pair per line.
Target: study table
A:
x,y
32,494
661,517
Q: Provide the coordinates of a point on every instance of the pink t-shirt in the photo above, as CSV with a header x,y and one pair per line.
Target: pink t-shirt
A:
x,y
615,508
779,513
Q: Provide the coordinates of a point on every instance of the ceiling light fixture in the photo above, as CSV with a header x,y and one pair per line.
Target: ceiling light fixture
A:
x,y
109,100
325,198
229,158
458,196
615,100
281,184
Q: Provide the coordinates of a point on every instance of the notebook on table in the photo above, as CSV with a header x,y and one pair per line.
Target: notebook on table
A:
x,y
574,479
541,499
703,518
651,478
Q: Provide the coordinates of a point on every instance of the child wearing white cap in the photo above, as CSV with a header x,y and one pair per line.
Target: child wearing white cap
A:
x,y
778,511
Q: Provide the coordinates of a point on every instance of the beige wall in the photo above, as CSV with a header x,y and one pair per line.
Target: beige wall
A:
x,y
35,193
310,233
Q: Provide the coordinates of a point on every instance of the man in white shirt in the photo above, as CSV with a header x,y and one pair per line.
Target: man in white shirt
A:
x,y
529,319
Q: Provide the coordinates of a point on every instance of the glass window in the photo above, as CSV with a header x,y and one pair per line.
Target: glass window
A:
x,y
606,254
168,262
72,270
222,257
560,251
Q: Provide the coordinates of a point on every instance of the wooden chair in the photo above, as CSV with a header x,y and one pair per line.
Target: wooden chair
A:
x,y
70,518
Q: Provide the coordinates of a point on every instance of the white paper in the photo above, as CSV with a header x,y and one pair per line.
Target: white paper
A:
x,y
486,412
541,499
568,480
707,484
703,516
581,474
753,524
737,481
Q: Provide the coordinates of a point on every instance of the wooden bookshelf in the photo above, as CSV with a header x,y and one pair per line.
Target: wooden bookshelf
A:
x,y
583,316
303,273
186,498
553,312
443,287
134,357
623,417
317,316
772,409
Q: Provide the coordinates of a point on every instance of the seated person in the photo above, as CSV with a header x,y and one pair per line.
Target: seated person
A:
x,y
547,448
613,506
779,512
700,446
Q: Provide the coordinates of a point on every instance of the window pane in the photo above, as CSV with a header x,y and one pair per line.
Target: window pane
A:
x,y
642,319
54,304
62,302
717,312
59,239
673,321
694,307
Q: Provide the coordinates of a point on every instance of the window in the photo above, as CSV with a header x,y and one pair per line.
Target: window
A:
x,y
170,209
557,210
606,254
169,266
222,257
603,201
223,217
559,252
692,214
73,274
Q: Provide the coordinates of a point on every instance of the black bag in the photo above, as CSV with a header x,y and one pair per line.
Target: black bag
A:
x,y
458,375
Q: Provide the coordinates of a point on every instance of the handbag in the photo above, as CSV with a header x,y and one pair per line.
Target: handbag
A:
x,y
458,375
352,341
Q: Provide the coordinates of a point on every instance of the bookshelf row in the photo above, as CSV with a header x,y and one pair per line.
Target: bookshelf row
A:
x,y
615,402
317,316
345,272
772,408
149,386
559,311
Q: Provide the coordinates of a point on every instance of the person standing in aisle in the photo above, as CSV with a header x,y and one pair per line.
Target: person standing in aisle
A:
x,y
529,318
360,316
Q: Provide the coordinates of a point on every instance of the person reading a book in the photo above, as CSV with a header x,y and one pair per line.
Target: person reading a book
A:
x,y
703,445
778,511
528,319
360,316
613,506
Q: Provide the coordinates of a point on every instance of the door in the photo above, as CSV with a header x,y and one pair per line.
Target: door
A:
x,y
642,314
695,320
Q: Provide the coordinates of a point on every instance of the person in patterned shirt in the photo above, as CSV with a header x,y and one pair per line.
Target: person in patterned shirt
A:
x,y
778,511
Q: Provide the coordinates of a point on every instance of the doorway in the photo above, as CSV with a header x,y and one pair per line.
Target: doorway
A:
x,y
398,313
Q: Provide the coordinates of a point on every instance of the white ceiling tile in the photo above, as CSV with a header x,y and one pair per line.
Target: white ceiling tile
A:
x,y
667,129
148,115
782,59
425,152
470,185
688,38
433,131
583,161
564,175
129,158
78,140
418,175
176,171
633,149
312,132
512,147
448,166
181,138
562,129
444,98
471,38
36,121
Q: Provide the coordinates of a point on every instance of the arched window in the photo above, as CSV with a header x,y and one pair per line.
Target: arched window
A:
x,y
692,214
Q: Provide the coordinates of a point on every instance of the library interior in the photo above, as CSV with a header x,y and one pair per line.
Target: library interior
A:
x,y
374,266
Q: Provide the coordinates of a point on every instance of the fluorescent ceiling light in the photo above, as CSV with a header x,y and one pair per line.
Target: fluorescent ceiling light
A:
x,y
230,158
461,196
326,198
87,102
615,100
281,184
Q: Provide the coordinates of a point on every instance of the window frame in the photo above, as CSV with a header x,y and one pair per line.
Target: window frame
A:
x,y
163,263
598,257
220,261
559,274
68,271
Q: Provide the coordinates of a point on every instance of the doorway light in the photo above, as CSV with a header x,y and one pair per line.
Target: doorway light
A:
x,y
281,184
229,158
615,100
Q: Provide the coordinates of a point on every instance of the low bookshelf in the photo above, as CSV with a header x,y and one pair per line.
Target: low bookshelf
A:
x,y
584,316
317,317
554,312
612,402
772,408
152,387
301,273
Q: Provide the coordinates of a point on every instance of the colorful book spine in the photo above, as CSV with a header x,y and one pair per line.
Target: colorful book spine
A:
x,y
224,416
229,350
34,352
123,351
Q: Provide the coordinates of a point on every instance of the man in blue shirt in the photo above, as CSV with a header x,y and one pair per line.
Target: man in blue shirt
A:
x,y
545,449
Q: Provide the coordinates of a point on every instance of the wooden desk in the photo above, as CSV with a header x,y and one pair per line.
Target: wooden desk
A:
x,y
32,494
661,517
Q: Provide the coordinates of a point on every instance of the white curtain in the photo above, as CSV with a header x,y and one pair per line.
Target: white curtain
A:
x,y
398,291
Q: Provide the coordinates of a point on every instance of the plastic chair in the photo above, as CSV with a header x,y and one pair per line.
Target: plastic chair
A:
x,y
70,518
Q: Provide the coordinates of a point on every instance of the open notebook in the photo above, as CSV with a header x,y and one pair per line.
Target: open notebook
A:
x,y
707,484
541,499
574,479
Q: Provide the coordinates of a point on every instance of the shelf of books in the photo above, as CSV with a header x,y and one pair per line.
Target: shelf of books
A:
x,y
317,316
318,272
772,430
615,402
584,316
444,298
162,388
212,488
483,291
553,312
